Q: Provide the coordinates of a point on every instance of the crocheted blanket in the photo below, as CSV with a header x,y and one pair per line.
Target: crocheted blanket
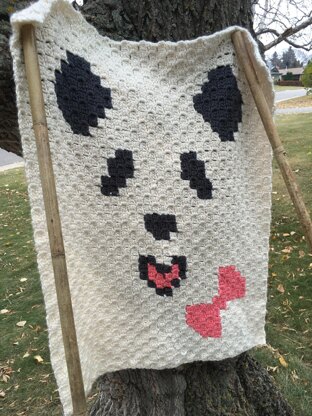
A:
x,y
163,176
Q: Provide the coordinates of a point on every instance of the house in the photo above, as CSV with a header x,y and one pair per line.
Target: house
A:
x,y
275,73
296,74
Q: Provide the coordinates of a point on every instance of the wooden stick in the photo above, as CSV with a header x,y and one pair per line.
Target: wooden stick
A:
x,y
250,65
53,221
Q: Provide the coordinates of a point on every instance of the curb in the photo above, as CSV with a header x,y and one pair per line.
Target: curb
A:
x,y
11,166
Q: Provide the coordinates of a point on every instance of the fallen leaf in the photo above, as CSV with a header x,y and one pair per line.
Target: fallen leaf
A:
x,y
287,250
37,328
301,253
280,288
4,311
23,279
273,369
282,361
26,354
21,323
2,394
286,234
6,370
5,378
38,359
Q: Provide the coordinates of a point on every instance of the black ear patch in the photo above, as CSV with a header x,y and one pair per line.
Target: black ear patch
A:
x,y
80,95
220,103
193,170
120,168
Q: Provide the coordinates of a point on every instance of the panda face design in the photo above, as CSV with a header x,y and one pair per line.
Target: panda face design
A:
x,y
163,179
171,185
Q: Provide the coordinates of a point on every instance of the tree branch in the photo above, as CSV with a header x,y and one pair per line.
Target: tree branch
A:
x,y
296,45
267,30
285,35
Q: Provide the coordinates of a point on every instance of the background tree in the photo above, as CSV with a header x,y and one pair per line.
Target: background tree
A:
x,y
237,386
289,59
307,77
275,61
303,56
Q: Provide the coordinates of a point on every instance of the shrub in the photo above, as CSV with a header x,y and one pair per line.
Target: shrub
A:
x,y
307,78
288,77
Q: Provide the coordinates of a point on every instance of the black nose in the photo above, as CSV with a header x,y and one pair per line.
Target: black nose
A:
x,y
160,225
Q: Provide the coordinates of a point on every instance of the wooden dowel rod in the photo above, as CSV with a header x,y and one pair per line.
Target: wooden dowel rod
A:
x,y
250,65
53,221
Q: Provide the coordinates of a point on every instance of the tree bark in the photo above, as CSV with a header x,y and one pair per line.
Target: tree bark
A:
x,y
167,19
237,386
9,133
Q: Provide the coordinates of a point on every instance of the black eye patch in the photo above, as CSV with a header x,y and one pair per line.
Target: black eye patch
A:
x,y
120,168
220,102
193,170
80,95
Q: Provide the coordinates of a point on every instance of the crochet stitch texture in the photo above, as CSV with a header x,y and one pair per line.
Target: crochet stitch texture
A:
x,y
163,176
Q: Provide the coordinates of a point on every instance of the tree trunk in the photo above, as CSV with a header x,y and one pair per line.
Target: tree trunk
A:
x,y
9,133
167,19
237,386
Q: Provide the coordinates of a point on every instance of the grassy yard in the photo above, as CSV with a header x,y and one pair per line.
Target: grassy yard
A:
x,y
27,385
284,88
289,335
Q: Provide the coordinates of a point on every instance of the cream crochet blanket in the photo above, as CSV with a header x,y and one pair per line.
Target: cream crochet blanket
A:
x,y
163,176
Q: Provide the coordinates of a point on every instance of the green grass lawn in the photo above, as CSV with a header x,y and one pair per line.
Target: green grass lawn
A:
x,y
27,386
284,88
289,330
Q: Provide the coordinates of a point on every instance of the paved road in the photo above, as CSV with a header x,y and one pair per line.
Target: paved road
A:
x,y
293,110
286,95
7,158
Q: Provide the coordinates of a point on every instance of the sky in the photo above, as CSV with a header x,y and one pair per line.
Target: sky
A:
x,y
281,14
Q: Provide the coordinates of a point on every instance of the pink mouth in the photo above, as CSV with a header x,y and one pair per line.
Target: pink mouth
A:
x,y
162,277
205,318
163,280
